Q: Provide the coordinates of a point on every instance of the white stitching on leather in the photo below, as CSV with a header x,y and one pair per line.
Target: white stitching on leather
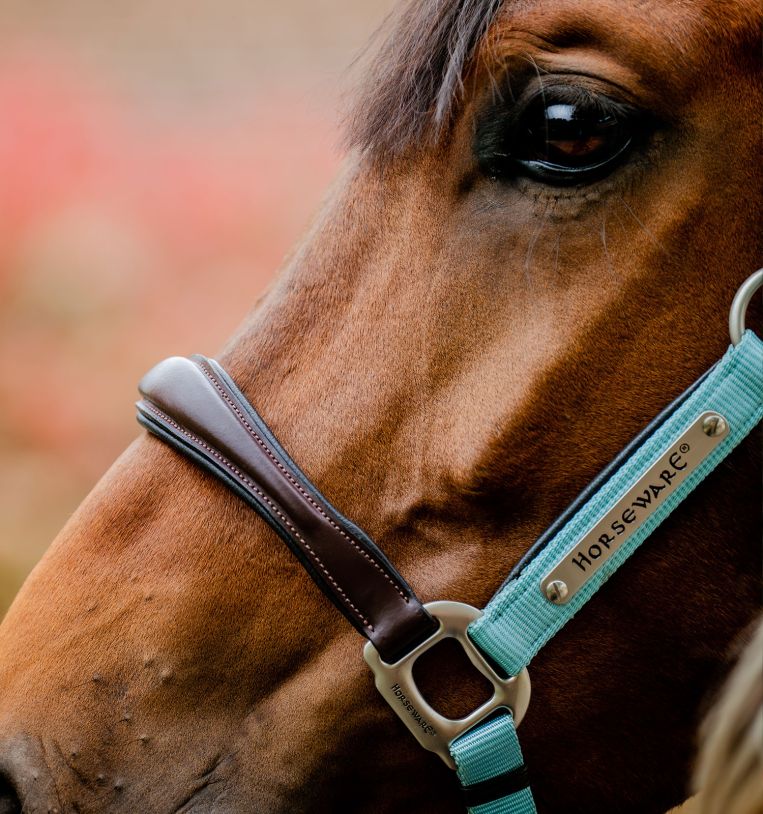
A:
x,y
225,462
296,484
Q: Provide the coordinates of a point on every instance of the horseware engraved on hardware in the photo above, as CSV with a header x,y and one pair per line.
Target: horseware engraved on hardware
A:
x,y
398,687
412,711
632,510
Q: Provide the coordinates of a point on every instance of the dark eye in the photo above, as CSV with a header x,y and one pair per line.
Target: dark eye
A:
x,y
561,135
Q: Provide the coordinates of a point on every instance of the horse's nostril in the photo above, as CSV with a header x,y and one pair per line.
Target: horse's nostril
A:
x,y
9,800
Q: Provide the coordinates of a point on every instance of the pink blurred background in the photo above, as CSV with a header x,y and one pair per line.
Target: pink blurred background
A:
x,y
157,160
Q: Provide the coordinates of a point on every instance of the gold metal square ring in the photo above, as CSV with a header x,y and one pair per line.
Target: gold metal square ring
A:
x,y
433,731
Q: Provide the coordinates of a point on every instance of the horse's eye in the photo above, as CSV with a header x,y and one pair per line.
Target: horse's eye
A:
x,y
564,136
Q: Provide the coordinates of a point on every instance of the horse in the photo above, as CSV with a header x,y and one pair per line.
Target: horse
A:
x,y
544,213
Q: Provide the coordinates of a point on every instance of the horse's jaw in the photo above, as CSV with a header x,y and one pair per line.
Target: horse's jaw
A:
x,y
136,707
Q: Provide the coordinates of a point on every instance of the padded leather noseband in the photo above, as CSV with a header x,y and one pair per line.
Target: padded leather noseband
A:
x,y
193,405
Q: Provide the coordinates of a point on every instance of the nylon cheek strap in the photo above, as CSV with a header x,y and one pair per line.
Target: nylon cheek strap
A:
x,y
521,617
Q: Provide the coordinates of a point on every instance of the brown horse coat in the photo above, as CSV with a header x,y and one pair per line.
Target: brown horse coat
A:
x,y
450,357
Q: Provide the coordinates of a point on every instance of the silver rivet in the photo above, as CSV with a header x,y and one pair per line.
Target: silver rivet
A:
x,y
557,591
714,425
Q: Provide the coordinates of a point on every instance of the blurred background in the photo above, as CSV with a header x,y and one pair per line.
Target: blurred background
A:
x,y
157,160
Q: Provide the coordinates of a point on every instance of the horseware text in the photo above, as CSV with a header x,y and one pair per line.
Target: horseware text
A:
x,y
412,711
628,513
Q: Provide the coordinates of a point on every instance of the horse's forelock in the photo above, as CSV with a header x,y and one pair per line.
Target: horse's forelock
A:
x,y
415,80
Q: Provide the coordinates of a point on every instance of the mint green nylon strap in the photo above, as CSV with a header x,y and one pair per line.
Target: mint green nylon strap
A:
x,y
519,619
488,750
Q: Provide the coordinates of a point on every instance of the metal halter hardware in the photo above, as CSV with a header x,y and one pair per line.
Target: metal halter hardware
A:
x,y
432,730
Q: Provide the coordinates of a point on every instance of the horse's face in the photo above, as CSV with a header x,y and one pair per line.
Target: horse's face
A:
x,y
465,338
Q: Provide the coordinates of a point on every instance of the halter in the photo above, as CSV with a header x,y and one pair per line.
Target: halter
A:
x,y
195,407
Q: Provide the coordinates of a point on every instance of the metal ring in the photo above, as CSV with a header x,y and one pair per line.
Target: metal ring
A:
x,y
740,303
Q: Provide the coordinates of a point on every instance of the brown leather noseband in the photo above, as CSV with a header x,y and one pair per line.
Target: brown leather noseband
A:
x,y
193,405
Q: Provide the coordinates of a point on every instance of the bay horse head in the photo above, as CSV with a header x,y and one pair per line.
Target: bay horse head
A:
x,y
546,211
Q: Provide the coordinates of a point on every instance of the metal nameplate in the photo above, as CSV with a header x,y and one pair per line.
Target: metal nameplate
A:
x,y
631,511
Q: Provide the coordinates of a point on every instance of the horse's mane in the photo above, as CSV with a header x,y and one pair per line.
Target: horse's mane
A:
x,y
730,770
415,79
